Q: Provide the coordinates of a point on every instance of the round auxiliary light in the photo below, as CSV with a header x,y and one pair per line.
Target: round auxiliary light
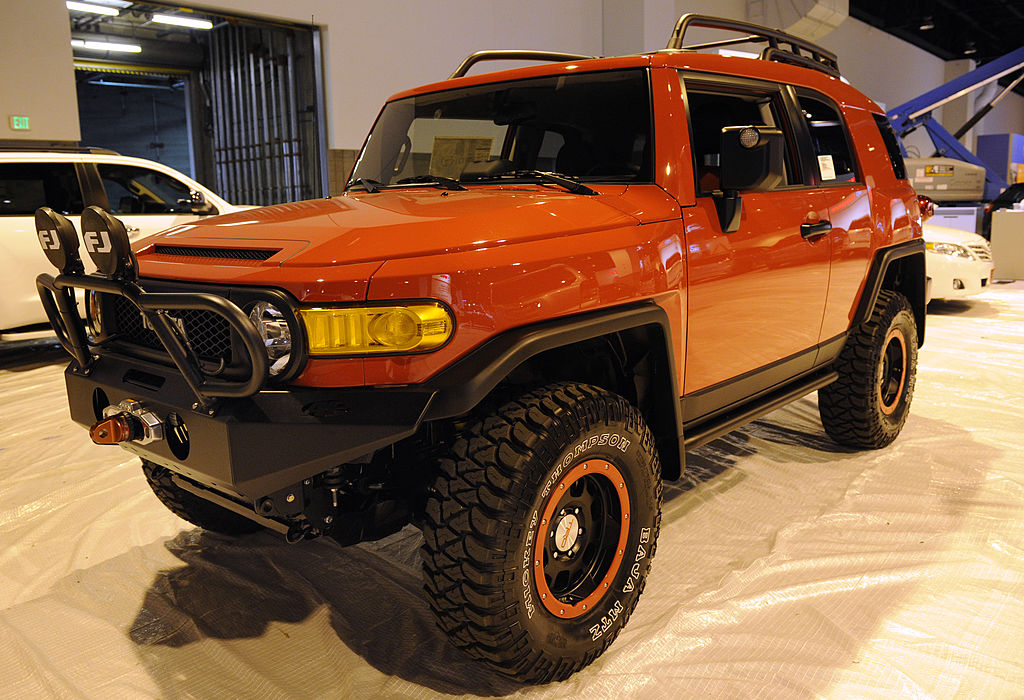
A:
x,y
396,328
750,137
272,326
59,240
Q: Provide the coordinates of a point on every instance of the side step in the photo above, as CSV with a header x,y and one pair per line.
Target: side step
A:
x,y
707,430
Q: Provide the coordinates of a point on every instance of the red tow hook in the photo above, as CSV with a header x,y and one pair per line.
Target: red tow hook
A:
x,y
127,421
111,431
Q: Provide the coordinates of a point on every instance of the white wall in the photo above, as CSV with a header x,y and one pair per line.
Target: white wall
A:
x,y
37,79
374,49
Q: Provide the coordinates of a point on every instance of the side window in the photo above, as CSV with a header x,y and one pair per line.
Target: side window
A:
x,y
892,145
135,190
828,137
710,110
24,187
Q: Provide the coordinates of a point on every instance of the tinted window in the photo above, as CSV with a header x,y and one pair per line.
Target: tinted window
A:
x,y
135,190
595,126
828,137
892,145
24,187
711,110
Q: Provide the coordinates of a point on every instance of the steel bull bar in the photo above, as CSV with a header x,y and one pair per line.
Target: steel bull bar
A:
x,y
107,243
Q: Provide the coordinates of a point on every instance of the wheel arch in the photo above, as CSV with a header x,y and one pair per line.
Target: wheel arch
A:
x,y
900,268
625,350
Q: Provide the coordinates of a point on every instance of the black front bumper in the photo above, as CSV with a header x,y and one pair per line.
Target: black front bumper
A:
x,y
253,446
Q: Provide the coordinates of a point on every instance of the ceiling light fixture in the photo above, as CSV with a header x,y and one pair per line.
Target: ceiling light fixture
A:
x,y
95,9
183,21
927,23
105,46
969,48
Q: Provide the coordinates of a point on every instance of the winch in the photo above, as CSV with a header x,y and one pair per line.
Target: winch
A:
x,y
127,421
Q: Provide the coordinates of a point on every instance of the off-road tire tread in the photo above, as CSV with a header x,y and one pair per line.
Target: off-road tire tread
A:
x,y
849,407
195,510
478,511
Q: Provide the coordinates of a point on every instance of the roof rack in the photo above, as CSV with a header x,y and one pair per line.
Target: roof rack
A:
x,y
479,56
818,58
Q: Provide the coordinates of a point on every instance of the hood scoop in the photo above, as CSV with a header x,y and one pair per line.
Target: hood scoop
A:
x,y
220,253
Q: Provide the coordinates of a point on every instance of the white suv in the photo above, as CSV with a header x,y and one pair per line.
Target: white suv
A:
x,y
147,196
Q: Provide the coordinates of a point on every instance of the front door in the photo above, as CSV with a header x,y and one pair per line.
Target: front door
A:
x,y
756,296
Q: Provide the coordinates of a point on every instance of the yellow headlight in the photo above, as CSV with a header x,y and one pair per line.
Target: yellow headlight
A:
x,y
377,329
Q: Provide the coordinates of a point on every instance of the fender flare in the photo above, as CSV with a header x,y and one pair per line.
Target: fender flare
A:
x,y
886,273
464,384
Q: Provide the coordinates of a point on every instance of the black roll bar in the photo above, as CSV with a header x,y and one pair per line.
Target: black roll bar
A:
x,y
514,55
818,58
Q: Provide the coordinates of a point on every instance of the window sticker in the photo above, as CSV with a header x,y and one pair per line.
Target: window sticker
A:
x,y
450,155
827,168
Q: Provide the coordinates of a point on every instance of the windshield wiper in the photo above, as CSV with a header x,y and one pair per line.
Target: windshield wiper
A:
x,y
370,185
569,183
445,183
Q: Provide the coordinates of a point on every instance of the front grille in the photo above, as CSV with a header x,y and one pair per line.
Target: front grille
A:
x,y
981,251
223,253
207,333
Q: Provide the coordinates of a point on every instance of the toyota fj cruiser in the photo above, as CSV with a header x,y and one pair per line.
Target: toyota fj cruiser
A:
x,y
540,287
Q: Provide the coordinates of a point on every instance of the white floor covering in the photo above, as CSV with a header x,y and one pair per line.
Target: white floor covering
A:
x,y
786,568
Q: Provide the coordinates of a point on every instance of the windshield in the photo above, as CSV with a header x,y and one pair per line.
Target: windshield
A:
x,y
591,126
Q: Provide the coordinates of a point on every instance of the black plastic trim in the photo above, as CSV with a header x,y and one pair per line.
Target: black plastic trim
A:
x,y
704,404
465,383
883,259
744,413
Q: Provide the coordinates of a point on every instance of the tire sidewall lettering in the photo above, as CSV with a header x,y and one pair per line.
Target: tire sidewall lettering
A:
x,y
573,455
618,446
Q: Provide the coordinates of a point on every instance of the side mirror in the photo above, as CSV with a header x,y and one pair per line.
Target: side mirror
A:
x,y
106,241
59,240
196,202
751,159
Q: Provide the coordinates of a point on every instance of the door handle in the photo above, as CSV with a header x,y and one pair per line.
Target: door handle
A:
x,y
815,230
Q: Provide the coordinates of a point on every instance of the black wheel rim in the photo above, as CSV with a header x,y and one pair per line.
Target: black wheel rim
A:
x,y
893,371
581,538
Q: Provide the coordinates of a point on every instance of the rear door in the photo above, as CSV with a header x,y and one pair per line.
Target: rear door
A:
x,y
834,177
756,296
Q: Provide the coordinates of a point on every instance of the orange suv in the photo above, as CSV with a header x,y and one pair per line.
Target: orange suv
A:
x,y
539,289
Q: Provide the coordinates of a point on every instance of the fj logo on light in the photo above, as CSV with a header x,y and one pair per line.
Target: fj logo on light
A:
x,y
97,241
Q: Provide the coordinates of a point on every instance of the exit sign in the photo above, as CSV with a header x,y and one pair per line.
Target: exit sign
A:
x,y
19,123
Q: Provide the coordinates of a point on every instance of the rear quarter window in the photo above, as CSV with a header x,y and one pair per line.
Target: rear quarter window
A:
x,y
892,145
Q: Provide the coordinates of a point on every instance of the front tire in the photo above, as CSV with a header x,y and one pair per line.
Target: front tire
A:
x,y
869,403
540,530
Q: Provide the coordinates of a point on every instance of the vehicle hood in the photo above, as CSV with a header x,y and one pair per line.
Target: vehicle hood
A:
x,y
944,234
364,227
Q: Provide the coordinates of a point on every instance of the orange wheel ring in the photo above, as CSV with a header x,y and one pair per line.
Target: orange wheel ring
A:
x,y
581,538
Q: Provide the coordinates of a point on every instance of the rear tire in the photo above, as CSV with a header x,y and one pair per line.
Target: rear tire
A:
x,y
540,530
195,510
869,403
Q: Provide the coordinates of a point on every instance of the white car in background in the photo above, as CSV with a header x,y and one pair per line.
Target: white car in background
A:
x,y
957,263
147,196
